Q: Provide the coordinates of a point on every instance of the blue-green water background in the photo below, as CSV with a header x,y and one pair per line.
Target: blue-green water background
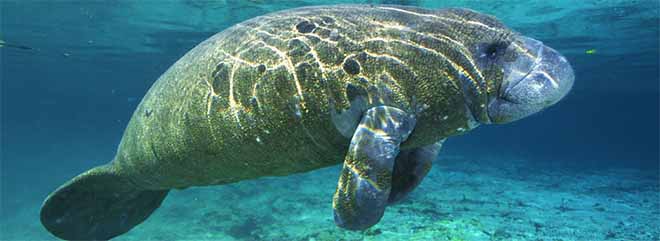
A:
x,y
66,101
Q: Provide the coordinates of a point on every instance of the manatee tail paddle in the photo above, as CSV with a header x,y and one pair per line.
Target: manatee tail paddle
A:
x,y
97,205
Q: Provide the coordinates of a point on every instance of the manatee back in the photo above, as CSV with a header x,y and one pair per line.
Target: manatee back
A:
x,y
266,96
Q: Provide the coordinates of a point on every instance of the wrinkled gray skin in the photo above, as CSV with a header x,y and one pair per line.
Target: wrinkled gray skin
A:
x,y
532,83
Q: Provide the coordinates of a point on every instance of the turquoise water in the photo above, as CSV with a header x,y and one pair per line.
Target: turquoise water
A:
x,y
72,73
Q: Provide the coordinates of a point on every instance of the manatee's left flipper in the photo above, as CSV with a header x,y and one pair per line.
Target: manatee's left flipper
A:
x,y
366,178
410,167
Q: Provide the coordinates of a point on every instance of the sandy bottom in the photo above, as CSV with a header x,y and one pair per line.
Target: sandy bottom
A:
x,y
461,199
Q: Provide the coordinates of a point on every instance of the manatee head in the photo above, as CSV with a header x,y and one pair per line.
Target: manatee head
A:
x,y
535,77
516,75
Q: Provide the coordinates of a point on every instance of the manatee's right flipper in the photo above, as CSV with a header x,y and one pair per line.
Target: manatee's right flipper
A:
x,y
410,167
366,178
97,205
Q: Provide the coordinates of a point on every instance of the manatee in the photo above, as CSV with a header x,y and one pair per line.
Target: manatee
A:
x,y
375,87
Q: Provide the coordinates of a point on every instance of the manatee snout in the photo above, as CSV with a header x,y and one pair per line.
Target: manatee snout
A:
x,y
536,78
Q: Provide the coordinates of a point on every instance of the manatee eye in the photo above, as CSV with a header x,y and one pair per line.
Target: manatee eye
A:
x,y
489,54
495,50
